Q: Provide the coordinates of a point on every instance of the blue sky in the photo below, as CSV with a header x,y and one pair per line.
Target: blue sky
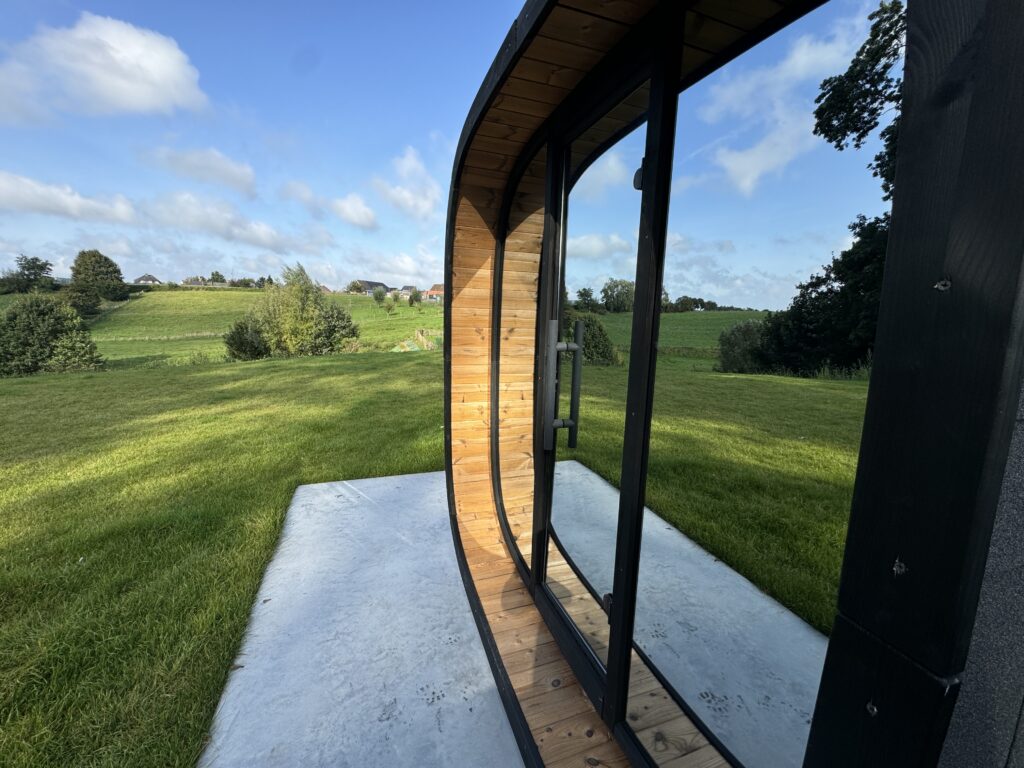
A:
x,y
184,137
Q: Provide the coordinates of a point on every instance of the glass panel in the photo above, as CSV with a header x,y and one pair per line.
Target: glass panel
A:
x,y
750,473
603,218
519,278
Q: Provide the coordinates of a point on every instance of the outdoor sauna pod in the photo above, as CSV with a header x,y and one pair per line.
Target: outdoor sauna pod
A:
x,y
925,662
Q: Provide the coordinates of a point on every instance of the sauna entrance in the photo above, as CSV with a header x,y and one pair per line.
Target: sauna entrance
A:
x,y
588,595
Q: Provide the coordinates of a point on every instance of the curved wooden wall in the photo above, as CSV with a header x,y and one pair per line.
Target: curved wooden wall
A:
x,y
491,284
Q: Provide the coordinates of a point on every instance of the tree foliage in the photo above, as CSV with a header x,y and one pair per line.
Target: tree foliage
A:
x,y
31,274
831,322
585,301
42,333
618,295
92,269
740,348
415,297
379,294
84,299
354,287
217,277
597,344
291,318
852,105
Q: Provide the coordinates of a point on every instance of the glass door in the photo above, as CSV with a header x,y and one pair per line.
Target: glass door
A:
x,y
607,203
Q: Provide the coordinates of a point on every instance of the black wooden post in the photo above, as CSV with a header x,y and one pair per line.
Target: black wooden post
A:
x,y
650,267
943,393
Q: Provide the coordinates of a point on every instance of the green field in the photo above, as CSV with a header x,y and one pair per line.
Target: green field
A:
x,y
688,333
175,326
140,507
141,504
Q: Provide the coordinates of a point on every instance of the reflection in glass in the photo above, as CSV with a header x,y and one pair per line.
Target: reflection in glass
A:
x,y
602,218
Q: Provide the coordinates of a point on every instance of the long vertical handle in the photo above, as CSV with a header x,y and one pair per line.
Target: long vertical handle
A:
x,y
577,374
551,384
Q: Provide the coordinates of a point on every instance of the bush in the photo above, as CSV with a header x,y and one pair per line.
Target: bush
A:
x,y
84,299
245,340
740,348
42,333
597,345
294,318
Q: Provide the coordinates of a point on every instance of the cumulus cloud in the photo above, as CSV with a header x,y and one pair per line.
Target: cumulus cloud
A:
x,y
594,247
776,99
20,193
99,66
610,171
211,166
416,194
351,208
218,218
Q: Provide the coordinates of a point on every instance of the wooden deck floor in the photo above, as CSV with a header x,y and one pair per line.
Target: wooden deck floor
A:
x,y
565,726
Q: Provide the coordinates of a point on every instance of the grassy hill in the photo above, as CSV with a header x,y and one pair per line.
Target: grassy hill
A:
x,y
692,334
170,326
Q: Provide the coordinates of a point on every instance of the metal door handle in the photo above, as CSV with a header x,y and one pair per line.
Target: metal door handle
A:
x,y
554,347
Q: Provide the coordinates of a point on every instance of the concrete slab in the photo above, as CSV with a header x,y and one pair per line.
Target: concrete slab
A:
x,y
361,649
748,666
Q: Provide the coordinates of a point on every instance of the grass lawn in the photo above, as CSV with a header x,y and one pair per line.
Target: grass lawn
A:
x,y
173,326
756,469
140,508
693,333
141,505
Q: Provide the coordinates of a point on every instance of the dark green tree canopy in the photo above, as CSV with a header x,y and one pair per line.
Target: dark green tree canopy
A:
x,y
851,105
618,295
93,269
31,274
39,332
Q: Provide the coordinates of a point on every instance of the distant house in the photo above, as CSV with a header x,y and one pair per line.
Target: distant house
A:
x,y
368,286
147,280
436,292
406,291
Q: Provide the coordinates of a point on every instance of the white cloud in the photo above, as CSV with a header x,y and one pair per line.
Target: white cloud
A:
x,y
185,211
776,99
354,210
20,193
609,171
99,66
209,165
595,247
351,208
416,193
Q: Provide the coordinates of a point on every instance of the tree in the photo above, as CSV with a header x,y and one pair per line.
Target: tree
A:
x,y
684,304
585,301
32,274
851,105
831,322
93,269
245,340
217,277
294,318
396,297
39,332
617,295
390,305
379,294
354,287
415,297
84,299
